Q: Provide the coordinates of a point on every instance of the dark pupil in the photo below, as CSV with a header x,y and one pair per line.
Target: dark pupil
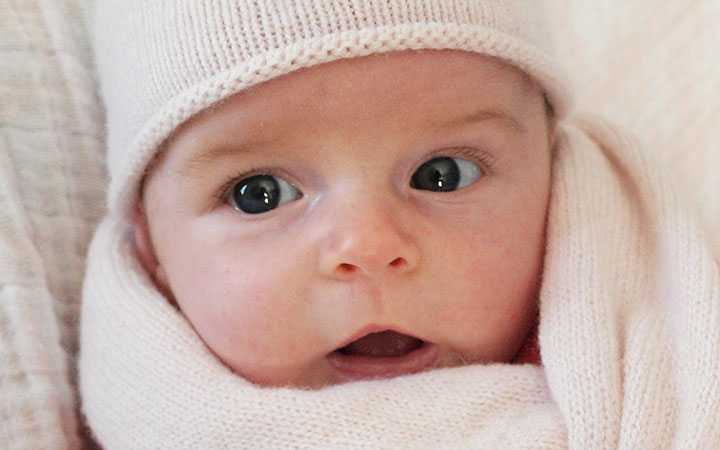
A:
x,y
438,174
257,194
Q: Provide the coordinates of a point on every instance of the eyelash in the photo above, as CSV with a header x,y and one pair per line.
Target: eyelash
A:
x,y
224,190
478,156
471,154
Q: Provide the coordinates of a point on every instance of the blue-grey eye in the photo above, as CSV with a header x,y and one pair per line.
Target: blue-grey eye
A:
x,y
445,174
261,193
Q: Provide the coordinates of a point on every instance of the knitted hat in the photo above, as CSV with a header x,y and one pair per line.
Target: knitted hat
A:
x,y
162,61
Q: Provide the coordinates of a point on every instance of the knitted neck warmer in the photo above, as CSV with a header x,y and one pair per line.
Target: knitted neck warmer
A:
x,y
629,337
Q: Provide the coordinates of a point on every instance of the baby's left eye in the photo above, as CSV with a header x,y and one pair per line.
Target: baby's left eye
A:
x,y
446,174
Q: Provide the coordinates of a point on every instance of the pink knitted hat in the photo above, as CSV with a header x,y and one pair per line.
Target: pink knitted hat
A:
x,y
162,61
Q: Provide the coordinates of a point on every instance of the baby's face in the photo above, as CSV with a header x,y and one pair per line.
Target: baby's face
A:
x,y
365,218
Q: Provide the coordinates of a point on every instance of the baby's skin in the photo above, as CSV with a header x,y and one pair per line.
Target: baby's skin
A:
x,y
369,217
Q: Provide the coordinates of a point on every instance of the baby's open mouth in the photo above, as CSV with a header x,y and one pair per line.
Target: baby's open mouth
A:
x,y
382,344
383,354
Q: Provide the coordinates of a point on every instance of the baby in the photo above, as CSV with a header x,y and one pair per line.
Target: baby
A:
x,y
368,217
332,195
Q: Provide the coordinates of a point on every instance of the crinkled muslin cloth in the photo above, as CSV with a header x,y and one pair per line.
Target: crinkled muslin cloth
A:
x,y
629,336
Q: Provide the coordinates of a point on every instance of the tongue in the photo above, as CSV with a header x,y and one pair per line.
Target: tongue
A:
x,y
383,344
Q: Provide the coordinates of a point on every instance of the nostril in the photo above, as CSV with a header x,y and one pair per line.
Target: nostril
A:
x,y
397,262
350,269
346,268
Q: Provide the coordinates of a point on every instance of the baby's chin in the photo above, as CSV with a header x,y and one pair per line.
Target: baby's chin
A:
x,y
373,356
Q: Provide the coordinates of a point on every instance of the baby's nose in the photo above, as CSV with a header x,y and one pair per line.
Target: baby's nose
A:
x,y
367,239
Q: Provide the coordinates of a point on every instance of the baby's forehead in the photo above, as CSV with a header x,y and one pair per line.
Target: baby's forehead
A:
x,y
413,91
385,81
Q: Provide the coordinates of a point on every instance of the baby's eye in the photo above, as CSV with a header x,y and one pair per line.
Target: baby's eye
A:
x,y
261,193
445,174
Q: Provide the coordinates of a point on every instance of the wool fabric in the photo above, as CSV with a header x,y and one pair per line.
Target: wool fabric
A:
x,y
161,62
629,336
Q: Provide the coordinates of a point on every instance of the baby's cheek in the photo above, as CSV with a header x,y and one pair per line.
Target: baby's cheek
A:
x,y
250,313
498,282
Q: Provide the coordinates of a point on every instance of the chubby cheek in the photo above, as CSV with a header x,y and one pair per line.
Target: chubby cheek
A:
x,y
243,301
492,310
496,277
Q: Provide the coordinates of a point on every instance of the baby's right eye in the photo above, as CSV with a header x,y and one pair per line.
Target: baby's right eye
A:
x,y
261,193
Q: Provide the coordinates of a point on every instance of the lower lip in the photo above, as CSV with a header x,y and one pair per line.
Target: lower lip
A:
x,y
353,367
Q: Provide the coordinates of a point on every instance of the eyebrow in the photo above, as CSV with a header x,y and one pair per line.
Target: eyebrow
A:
x,y
487,114
198,161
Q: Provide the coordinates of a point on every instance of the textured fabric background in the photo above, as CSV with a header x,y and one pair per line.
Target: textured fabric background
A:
x,y
653,66
650,65
51,196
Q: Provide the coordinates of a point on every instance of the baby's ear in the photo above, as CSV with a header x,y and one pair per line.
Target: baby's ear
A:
x,y
145,250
